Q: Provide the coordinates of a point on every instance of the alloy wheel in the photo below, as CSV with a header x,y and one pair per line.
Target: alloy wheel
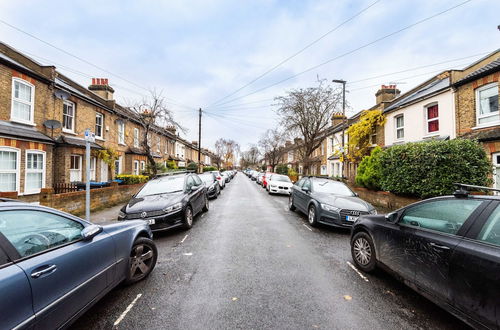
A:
x,y
189,216
362,251
141,261
312,215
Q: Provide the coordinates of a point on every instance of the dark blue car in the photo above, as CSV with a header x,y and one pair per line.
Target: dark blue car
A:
x,y
54,266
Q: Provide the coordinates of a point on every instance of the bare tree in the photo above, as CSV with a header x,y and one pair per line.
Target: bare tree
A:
x,y
227,150
152,114
250,157
272,145
306,113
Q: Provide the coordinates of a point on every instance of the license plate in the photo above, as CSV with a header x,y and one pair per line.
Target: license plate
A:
x,y
351,218
151,221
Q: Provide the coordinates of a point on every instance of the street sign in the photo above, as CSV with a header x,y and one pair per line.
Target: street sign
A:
x,y
89,136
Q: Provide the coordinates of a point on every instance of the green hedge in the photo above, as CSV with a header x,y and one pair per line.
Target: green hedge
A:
x,y
209,168
282,169
426,169
132,179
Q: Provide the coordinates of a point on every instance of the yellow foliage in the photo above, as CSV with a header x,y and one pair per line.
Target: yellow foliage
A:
x,y
360,132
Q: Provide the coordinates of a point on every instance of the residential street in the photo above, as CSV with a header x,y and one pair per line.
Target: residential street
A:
x,y
250,263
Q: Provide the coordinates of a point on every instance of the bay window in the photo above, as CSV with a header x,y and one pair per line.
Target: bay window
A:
x,y
432,118
23,98
68,116
35,171
9,169
487,104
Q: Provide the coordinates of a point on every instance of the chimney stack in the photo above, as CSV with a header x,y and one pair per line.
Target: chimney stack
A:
x,y
171,129
387,93
337,118
101,87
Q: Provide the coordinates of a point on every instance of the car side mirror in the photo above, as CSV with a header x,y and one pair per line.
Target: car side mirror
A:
x,y
89,232
305,189
391,217
356,194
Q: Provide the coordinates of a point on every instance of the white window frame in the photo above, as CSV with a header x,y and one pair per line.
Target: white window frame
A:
x,y
496,168
17,171
478,106
136,167
72,130
136,137
399,128
118,169
27,171
143,165
31,103
121,132
158,144
99,115
427,120
79,169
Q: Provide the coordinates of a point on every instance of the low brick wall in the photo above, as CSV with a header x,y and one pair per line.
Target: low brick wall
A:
x,y
74,202
383,199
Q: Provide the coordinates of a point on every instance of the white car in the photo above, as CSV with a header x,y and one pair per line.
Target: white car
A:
x,y
220,179
279,184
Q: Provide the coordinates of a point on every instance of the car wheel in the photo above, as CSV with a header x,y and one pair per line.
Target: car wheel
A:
x,y
311,216
291,207
206,206
142,260
188,217
363,252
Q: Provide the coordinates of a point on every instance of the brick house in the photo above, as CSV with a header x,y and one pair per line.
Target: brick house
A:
x,y
477,90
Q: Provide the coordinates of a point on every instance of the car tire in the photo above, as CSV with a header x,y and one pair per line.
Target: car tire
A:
x,y
312,216
291,207
206,206
142,260
363,252
188,218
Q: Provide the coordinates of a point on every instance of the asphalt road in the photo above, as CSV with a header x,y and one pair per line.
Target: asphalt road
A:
x,y
250,263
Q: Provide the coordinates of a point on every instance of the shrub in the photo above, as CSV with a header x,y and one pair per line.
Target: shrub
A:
x,y
427,169
192,166
370,170
282,169
209,168
171,165
132,179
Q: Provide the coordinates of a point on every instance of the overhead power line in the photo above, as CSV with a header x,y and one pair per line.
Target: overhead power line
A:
x,y
297,53
351,51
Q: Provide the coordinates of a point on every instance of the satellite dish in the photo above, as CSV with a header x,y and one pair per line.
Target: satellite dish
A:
x,y
52,124
61,94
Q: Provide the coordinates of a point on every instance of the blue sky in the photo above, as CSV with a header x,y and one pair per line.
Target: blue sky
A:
x,y
197,52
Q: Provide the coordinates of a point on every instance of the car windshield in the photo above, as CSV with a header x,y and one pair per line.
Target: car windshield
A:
x,y
282,178
332,187
207,178
162,186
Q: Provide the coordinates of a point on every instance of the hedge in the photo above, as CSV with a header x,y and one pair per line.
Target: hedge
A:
x,y
426,169
132,179
209,168
369,172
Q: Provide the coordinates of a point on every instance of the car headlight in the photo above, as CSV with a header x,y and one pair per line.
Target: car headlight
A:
x,y
330,208
373,211
121,215
173,208
273,186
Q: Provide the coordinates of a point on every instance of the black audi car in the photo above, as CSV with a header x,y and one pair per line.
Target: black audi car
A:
x,y
327,201
213,187
168,201
446,248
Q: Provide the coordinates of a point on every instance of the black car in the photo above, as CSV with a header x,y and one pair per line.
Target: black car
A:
x,y
213,187
327,201
168,201
446,248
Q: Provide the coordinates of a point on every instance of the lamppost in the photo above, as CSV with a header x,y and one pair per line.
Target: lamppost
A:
x,y
343,82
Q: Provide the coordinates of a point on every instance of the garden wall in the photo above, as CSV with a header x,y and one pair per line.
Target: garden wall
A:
x,y
384,200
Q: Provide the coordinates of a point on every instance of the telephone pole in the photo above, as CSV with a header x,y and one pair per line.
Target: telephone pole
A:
x,y
199,142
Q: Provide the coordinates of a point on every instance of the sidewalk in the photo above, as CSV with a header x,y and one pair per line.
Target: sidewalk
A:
x,y
106,216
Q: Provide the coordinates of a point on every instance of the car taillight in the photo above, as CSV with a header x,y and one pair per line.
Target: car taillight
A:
x,y
219,178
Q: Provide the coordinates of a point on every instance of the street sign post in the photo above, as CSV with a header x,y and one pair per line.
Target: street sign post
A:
x,y
89,138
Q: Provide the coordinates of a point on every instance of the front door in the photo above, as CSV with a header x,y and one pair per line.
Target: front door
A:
x,y
75,168
104,171
65,272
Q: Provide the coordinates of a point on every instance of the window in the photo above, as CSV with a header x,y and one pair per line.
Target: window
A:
x,y
121,132
136,167
92,168
143,165
32,232
445,216
400,124
23,98
99,122
487,104
307,184
136,137
35,172
432,118
373,138
158,144
323,169
190,182
9,169
491,230
68,116
197,180
496,171
118,165
75,168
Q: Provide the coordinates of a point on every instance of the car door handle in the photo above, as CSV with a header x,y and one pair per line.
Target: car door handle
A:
x,y
440,247
46,270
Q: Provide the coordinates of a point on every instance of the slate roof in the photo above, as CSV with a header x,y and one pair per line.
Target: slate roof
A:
x,y
484,135
77,142
425,90
483,71
11,129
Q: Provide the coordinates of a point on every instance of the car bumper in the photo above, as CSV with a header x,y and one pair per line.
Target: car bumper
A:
x,y
163,222
278,190
335,220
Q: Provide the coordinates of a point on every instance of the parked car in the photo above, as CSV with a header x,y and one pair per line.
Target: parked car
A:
x,y
213,188
226,176
55,266
265,179
259,178
254,176
446,248
279,184
327,201
168,201
220,179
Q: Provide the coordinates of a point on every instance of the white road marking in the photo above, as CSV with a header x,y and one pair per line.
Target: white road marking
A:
x,y
357,271
188,254
184,238
129,307
307,226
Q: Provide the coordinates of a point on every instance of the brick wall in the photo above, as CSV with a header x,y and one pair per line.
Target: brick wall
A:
x,y
384,200
74,202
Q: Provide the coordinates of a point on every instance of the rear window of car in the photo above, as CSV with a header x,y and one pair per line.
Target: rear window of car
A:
x,y
163,186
